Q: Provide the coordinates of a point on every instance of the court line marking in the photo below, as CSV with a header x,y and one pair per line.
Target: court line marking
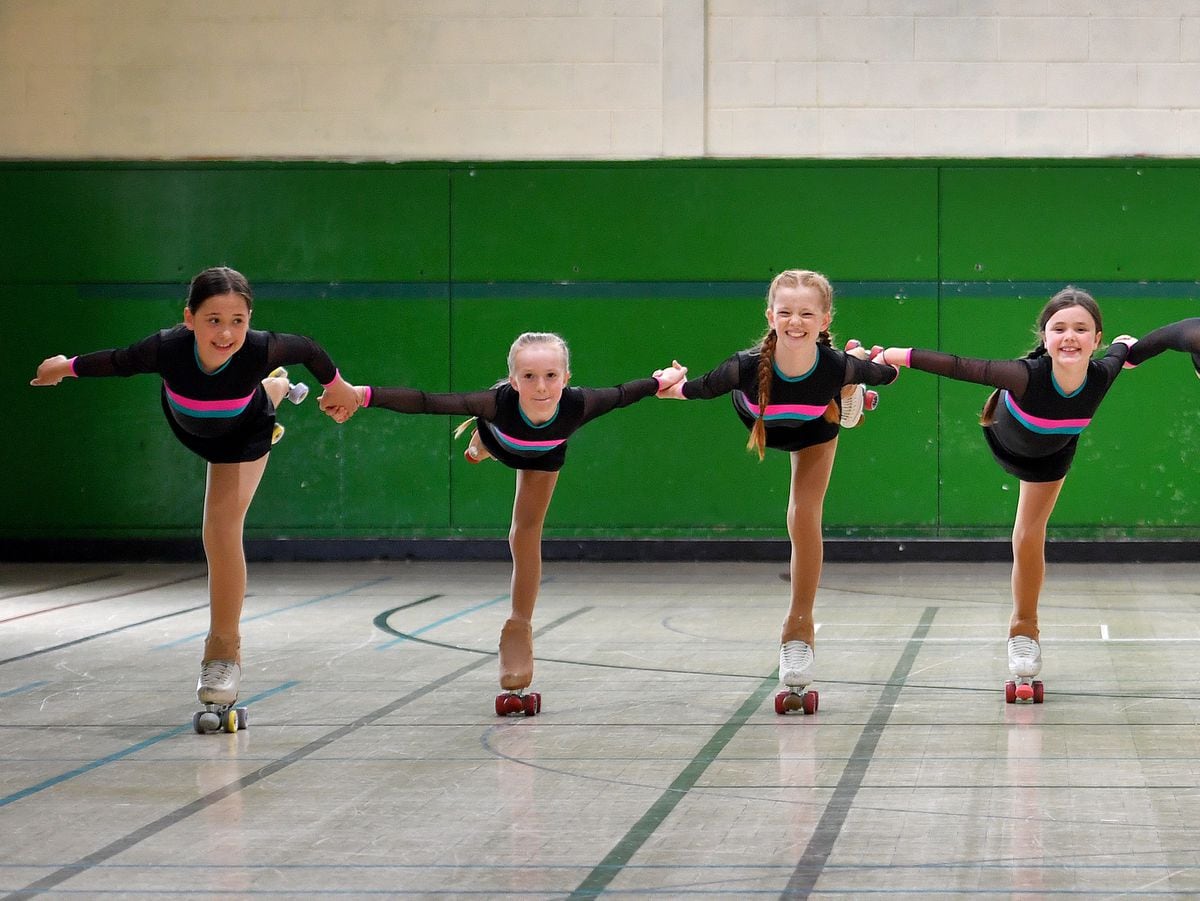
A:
x,y
603,873
23,688
107,597
26,594
381,622
68,644
829,827
123,844
118,755
263,615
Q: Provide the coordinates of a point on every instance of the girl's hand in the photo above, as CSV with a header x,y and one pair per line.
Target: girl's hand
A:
x,y
52,371
1129,341
669,376
855,349
340,400
670,380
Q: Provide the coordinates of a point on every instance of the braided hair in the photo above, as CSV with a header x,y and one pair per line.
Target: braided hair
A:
x,y
789,278
1069,296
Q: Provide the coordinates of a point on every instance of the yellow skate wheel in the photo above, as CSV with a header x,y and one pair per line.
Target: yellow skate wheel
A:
x,y
230,720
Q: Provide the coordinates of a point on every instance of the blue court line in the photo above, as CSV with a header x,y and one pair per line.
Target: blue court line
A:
x,y
23,688
118,755
250,619
441,622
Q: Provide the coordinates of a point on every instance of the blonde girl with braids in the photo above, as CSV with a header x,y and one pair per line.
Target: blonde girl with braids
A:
x,y
524,422
1031,423
788,392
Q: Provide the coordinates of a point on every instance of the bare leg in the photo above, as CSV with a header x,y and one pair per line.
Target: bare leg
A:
x,y
811,469
227,497
534,492
1034,506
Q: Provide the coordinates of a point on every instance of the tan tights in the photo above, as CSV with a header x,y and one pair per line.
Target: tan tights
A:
x,y
811,469
228,491
1034,506
534,491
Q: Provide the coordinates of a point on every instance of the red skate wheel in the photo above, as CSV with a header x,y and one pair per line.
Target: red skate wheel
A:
x,y
529,705
537,698
1039,692
870,400
1024,692
1010,692
507,703
781,703
811,702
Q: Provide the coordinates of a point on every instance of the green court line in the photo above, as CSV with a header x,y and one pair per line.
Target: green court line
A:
x,y
616,859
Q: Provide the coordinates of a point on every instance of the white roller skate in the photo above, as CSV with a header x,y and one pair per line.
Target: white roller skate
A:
x,y
856,401
217,690
1024,662
796,663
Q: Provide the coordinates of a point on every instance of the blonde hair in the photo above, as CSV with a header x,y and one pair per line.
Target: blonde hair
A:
x,y
525,339
789,278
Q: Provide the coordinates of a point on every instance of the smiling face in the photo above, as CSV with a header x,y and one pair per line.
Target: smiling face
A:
x,y
220,324
539,376
1071,337
798,314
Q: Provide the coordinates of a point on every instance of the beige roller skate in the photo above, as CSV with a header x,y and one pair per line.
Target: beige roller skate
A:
x,y
217,688
516,670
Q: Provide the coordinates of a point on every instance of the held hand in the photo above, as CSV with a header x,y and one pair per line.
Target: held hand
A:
x,y
671,375
855,349
1128,341
339,400
52,371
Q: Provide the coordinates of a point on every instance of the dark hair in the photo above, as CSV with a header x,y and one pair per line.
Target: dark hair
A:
x,y
216,281
1070,296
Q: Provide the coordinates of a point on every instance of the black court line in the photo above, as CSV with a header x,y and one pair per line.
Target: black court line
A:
x,y
618,858
123,844
820,846
68,644
107,597
25,594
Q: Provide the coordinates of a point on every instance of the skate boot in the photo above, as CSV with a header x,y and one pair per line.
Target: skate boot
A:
x,y
516,670
217,690
476,452
796,660
857,400
1024,662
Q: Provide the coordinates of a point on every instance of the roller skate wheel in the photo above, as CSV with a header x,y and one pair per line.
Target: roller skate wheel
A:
x,y
206,721
297,393
810,703
509,703
537,700
1010,692
243,718
870,400
229,720
781,702
1039,693
1024,692
530,705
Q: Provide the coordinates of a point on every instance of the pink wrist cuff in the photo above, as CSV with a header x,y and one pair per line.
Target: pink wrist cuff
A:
x,y
367,396
72,362
336,375
908,357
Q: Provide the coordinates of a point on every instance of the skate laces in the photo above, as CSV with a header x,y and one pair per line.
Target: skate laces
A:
x,y
797,656
217,672
1023,646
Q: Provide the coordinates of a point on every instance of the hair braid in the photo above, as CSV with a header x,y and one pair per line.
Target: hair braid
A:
x,y
766,372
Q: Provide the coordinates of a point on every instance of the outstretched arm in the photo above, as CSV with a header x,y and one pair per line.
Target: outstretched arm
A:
x,y
1011,375
409,400
1182,336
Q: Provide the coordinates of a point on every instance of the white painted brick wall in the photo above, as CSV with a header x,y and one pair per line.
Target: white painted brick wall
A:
x,y
600,79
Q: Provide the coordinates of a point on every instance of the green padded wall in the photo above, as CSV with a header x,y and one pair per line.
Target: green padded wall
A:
x,y
422,274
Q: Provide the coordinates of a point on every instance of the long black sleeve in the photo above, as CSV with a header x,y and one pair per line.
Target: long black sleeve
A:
x,y
1011,375
598,401
864,372
409,400
1182,336
136,359
284,350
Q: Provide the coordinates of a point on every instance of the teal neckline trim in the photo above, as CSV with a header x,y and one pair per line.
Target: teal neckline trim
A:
x,y
200,366
797,378
533,425
1061,393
